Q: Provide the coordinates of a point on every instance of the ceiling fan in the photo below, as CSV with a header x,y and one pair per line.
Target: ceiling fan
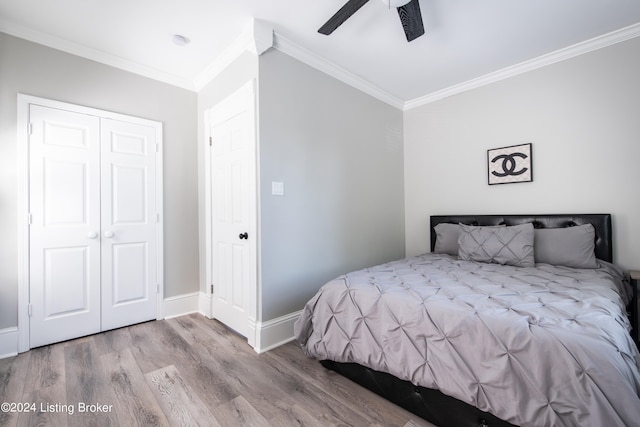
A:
x,y
408,10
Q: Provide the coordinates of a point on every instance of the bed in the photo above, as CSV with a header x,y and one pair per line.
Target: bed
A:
x,y
530,331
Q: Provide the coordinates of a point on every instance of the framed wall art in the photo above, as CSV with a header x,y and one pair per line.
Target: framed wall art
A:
x,y
511,164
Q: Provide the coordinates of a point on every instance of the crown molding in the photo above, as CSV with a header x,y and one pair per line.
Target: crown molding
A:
x,y
257,37
93,54
304,55
577,49
261,36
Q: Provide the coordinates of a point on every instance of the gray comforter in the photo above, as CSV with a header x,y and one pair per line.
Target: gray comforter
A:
x,y
539,346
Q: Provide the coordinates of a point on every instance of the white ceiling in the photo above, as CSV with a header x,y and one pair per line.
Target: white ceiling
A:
x,y
464,39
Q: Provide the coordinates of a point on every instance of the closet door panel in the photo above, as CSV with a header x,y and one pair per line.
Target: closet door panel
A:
x,y
129,223
64,205
95,234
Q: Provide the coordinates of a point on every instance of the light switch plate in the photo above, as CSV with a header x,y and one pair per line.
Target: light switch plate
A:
x,y
277,188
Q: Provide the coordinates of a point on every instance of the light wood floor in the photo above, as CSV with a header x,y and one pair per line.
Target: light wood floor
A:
x,y
186,371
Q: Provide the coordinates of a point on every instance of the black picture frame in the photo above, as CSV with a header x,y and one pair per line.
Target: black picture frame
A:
x,y
509,165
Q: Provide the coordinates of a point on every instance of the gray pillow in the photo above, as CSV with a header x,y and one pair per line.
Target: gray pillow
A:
x,y
446,238
447,235
569,247
499,245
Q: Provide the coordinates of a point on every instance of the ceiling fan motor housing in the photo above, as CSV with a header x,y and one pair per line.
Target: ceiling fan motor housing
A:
x,y
408,10
395,3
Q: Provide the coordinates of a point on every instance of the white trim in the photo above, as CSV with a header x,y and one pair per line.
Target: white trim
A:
x,y
577,49
276,332
258,206
8,342
29,99
159,127
23,103
23,223
181,305
261,36
269,334
252,333
205,297
204,304
266,335
257,37
298,52
94,54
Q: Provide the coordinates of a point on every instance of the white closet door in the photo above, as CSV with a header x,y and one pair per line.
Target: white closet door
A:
x,y
129,223
95,231
64,205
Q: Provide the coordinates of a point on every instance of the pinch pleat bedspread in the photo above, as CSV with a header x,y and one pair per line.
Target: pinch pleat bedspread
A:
x,y
538,346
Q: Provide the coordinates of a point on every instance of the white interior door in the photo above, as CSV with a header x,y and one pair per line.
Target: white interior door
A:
x,y
233,211
95,233
129,220
65,225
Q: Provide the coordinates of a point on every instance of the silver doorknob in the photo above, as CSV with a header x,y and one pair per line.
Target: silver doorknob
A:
x,y
108,234
92,235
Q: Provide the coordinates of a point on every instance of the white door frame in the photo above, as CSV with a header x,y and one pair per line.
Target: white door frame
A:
x,y
23,130
253,309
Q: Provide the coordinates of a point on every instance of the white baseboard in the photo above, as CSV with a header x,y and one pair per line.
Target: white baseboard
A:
x,y
204,307
181,305
268,335
276,332
8,342
195,302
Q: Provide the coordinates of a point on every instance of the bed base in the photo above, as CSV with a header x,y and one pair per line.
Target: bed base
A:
x,y
431,405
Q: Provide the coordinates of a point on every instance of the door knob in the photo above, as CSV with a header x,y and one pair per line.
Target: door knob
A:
x,y
244,235
92,235
108,234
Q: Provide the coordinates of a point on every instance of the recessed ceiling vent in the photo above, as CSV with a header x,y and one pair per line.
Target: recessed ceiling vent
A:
x,y
180,40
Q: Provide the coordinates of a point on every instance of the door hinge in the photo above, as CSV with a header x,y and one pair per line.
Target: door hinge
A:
x,y
30,309
157,288
210,141
29,218
30,128
212,289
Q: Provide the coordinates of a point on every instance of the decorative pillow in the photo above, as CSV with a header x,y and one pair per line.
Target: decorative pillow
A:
x,y
446,238
569,247
447,235
499,245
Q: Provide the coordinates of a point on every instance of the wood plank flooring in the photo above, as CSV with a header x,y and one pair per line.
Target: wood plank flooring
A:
x,y
186,371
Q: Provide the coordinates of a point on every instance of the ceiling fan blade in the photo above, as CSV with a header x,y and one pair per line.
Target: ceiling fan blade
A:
x,y
342,15
411,19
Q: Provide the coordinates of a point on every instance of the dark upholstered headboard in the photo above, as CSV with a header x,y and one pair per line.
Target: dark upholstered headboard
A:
x,y
601,222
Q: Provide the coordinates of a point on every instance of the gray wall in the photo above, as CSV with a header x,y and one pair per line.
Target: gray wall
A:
x,y
582,116
339,153
36,70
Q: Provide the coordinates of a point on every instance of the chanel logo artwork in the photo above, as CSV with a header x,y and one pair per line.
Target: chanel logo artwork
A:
x,y
510,164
